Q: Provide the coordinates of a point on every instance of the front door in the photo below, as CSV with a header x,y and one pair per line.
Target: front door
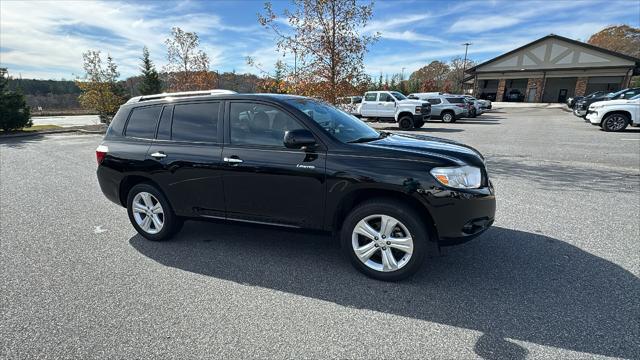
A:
x,y
186,158
386,105
263,180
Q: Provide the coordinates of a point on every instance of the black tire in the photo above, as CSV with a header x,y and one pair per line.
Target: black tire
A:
x,y
473,113
418,124
406,123
448,117
615,122
409,218
170,222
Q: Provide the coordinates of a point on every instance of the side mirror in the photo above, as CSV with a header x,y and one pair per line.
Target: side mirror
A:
x,y
299,139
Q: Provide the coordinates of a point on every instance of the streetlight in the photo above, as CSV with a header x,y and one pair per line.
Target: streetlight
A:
x,y
464,63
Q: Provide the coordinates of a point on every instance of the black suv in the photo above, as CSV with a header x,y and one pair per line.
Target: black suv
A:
x,y
294,162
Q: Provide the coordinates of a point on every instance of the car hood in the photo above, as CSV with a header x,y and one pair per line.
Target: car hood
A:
x,y
410,102
421,145
613,102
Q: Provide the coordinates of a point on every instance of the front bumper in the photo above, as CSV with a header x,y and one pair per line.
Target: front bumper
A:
x,y
593,117
579,112
460,216
421,117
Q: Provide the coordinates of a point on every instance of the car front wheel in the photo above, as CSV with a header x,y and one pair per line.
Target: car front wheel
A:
x,y
405,123
615,122
448,117
150,213
385,239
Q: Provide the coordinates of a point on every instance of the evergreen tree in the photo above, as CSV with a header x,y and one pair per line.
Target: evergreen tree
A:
x,y
150,80
14,112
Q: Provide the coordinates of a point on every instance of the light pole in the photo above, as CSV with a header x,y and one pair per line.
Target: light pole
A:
x,y
402,76
464,63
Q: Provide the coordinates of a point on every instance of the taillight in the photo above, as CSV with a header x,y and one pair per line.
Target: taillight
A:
x,y
461,105
101,152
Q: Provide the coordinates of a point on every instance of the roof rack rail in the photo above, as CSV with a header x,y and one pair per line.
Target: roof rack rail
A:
x,y
180,94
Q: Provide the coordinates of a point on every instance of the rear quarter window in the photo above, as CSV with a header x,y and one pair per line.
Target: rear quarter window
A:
x,y
142,122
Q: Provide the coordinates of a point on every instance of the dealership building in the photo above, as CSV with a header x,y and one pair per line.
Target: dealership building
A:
x,y
551,69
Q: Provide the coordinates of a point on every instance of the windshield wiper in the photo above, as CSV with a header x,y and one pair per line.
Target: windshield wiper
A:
x,y
383,134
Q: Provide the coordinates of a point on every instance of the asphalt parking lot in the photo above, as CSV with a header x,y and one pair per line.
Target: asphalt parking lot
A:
x,y
556,277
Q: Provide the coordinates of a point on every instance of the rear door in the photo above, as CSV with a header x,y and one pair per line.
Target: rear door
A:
x,y
263,180
187,157
369,107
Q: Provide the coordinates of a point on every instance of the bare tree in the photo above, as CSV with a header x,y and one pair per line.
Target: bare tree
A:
x,y
188,66
327,41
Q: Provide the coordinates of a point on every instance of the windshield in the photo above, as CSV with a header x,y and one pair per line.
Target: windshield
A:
x,y
616,94
398,95
342,126
637,97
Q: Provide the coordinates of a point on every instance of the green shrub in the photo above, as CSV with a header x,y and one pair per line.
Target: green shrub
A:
x,y
14,112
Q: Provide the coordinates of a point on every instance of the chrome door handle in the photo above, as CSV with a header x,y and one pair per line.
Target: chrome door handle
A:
x,y
159,155
232,160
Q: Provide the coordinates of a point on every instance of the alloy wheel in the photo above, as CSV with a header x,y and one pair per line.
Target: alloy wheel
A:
x,y
382,243
616,123
148,212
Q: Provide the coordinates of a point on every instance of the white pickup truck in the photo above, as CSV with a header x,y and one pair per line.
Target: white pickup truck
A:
x,y
615,115
409,114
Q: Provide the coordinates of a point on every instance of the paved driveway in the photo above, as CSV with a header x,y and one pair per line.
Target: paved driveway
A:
x,y
557,277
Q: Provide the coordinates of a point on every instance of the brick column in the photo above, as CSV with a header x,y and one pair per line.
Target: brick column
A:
x,y
581,86
534,84
500,93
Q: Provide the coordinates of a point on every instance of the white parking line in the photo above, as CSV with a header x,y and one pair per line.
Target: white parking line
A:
x,y
629,139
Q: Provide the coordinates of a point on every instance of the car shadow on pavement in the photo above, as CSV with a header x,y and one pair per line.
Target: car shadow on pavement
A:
x,y
560,176
507,284
19,141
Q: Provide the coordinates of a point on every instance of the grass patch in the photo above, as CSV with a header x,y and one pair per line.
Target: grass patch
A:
x,y
33,128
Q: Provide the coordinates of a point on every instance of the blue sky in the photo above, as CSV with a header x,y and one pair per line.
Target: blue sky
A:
x,y
46,39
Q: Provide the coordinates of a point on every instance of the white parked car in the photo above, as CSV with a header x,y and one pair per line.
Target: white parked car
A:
x,y
409,114
615,115
350,104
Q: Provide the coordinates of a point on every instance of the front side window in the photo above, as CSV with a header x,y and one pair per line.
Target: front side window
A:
x,y
384,97
142,122
371,97
344,127
259,124
398,95
195,122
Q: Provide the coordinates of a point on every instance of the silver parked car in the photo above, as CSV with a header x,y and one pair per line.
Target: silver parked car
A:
x,y
447,108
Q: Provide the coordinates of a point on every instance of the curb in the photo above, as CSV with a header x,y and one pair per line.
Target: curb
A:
x,y
47,132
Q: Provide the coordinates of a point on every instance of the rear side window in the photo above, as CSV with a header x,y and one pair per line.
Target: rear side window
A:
x,y
370,97
456,100
142,122
434,101
195,122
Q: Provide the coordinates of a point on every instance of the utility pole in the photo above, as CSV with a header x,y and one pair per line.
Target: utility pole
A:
x,y
402,76
464,63
295,70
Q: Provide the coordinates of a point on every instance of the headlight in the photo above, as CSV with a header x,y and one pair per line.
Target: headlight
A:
x,y
463,177
418,109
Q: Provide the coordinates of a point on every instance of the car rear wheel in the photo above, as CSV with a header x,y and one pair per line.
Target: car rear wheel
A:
x,y
150,213
405,123
615,122
448,117
385,239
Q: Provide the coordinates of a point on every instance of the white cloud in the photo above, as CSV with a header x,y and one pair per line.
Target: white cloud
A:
x,y
485,24
43,39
